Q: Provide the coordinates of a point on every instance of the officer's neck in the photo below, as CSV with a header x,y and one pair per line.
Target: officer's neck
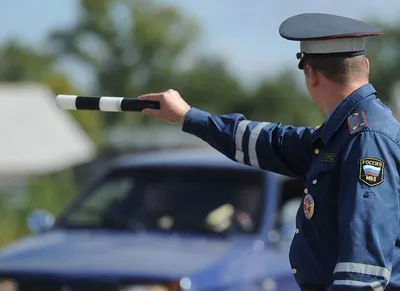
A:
x,y
336,93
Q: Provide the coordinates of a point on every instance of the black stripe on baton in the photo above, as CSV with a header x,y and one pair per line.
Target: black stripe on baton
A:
x,y
87,103
129,104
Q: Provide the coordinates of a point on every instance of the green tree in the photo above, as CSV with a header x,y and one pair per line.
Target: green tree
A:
x,y
132,47
20,63
384,54
279,99
210,85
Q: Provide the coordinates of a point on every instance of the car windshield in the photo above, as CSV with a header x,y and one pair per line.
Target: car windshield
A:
x,y
173,199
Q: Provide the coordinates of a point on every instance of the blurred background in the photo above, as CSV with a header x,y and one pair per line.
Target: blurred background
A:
x,y
223,56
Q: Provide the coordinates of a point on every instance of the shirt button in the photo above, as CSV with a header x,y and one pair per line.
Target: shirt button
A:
x,y
297,230
316,151
305,191
314,181
294,271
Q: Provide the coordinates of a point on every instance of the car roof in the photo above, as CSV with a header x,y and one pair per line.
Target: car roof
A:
x,y
180,157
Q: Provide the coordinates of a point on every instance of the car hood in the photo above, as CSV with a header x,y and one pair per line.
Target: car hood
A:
x,y
102,253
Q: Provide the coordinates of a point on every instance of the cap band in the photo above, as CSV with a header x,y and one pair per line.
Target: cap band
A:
x,y
333,46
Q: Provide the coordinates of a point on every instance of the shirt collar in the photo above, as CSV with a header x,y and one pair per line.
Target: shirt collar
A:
x,y
330,114
342,111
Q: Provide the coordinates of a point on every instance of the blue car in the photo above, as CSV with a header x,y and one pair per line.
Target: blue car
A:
x,y
184,220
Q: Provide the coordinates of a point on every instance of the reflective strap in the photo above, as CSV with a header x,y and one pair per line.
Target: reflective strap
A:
x,y
363,269
253,143
241,129
376,286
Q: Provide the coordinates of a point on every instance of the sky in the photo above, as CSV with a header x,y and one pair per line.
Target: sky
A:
x,y
245,33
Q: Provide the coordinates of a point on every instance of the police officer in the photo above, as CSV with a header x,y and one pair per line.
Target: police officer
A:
x,y
348,228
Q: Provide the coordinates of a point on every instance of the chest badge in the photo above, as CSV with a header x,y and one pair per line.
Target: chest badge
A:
x,y
308,206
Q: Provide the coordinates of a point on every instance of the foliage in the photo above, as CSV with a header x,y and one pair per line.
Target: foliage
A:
x,y
209,85
132,47
51,193
384,55
21,63
280,100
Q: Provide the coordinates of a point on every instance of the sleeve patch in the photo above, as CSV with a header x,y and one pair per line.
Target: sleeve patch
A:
x,y
372,171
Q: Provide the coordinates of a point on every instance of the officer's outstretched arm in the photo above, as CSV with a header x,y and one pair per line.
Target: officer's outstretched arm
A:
x,y
369,213
270,146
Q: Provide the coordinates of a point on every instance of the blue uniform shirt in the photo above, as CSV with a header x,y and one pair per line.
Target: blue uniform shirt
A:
x,y
347,235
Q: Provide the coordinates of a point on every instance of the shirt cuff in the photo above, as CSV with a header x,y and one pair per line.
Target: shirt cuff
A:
x,y
195,121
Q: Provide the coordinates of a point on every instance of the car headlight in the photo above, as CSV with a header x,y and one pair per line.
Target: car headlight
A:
x,y
8,285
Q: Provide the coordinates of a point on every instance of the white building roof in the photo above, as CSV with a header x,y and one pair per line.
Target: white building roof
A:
x,y
36,136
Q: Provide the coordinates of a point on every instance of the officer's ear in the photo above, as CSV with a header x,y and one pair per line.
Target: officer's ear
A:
x,y
367,64
312,77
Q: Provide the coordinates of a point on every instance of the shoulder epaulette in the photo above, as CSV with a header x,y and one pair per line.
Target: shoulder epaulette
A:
x,y
357,122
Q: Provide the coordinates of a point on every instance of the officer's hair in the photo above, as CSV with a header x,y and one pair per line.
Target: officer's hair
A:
x,y
341,70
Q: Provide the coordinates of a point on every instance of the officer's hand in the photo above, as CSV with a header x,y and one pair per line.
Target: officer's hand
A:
x,y
172,106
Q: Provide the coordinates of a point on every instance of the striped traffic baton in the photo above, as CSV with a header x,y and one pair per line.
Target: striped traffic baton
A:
x,y
107,104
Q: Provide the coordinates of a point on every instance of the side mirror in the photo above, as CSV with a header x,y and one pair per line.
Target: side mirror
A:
x,y
40,220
